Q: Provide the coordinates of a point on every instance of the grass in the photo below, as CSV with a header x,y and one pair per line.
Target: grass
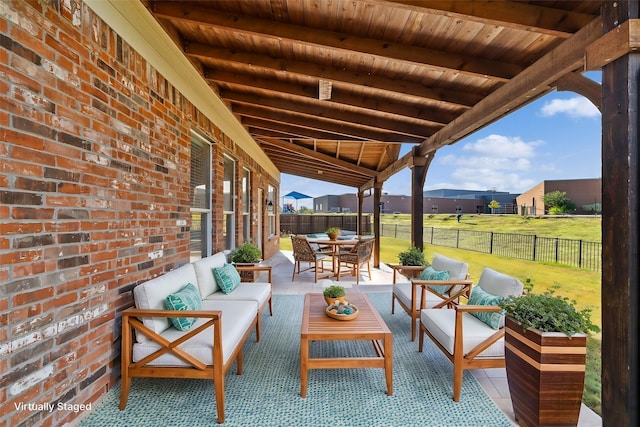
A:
x,y
583,286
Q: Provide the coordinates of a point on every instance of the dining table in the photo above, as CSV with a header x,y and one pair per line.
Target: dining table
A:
x,y
335,246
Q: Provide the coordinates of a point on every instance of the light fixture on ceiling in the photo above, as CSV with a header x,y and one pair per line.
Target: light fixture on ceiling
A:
x,y
324,89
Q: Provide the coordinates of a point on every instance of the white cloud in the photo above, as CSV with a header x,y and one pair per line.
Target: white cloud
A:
x,y
573,107
496,161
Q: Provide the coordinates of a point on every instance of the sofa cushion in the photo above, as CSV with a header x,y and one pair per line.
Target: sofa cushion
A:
x,y
441,322
402,291
430,274
227,278
495,319
152,294
246,291
237,317
187,298
206,281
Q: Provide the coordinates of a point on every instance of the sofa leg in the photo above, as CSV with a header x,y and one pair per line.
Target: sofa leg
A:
x,y
125,384
219,390
258,326
239,360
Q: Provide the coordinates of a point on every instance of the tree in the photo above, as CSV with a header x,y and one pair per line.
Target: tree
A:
x,y
494,204
558,203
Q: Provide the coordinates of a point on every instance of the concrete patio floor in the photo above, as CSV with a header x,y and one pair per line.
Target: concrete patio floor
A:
x,y
494,381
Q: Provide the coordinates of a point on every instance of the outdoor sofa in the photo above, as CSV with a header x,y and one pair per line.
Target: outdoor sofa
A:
x,y
223,314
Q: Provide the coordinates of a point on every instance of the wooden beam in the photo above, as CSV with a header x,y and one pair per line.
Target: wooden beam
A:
x,y
301,35
576,82
248,62
339,128
376,103
623,39
517,15
318,157
323,109
532,83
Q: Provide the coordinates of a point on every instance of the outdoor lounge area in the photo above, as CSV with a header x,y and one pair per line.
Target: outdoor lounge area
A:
x,y
271,376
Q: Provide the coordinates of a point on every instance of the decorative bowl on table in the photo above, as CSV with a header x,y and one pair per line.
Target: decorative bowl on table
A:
x,y
342,311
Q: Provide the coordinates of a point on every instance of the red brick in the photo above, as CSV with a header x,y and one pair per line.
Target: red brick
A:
x,y
31,297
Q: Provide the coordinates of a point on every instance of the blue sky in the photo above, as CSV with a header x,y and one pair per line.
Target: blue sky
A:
x,y
556,137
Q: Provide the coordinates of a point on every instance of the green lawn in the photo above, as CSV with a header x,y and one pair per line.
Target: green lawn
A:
x,y
583,286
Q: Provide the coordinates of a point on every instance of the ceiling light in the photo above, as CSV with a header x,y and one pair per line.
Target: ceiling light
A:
x,y
324,90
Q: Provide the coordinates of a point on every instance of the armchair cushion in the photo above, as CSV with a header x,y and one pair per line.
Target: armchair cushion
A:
x,y
187,298
441,323
402,291
227,278
430,274
457,269
481,297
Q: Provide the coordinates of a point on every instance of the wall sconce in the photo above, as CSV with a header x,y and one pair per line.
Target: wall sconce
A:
x,y
269,205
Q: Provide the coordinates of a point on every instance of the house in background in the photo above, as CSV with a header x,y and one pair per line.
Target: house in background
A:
x,y
585,193
435,201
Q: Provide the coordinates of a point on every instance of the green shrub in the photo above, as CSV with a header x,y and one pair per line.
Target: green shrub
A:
x,y
412,256
246,253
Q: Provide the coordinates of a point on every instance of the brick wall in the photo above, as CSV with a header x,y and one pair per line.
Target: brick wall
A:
x,y
94,184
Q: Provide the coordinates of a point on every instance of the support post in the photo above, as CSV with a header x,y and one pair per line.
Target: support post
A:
x,y
419,166
377,192
620,227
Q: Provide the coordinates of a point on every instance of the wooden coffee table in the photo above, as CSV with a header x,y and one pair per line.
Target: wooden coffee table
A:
x,y
317,326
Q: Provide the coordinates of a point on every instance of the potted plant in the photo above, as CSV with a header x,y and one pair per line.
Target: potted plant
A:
x,y
247,253
333,232
412,257
334,293
545,356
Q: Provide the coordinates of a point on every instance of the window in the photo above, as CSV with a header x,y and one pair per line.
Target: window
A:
x,y
271,223
246,205
229,196
200,197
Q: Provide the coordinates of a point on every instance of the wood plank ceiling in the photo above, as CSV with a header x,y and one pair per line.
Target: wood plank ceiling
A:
x,y
331,89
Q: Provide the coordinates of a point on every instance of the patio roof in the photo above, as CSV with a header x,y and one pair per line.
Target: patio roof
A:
x,y
331,90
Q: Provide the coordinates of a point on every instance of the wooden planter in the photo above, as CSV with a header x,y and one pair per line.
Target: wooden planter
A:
x,y
247,276
545,371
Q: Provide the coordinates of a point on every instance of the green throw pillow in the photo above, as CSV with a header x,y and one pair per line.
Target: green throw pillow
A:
x,y
227,278
479,296
187,298
430,274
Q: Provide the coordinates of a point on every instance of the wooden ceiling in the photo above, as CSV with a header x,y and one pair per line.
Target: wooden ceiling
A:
x,y
331,89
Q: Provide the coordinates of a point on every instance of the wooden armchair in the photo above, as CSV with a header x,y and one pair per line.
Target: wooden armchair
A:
x,y
419,294
468,341
358,256
303,252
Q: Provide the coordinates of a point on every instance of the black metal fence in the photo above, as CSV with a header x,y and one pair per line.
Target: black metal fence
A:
x,y
576,253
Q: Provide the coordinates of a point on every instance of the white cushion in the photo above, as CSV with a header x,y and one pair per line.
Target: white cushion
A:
x,y
402,291
457,269
246,291
152,294
441,323
237,316
203,268
499,284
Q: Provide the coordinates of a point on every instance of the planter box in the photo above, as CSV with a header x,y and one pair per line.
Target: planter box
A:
x,y
545,371
247,276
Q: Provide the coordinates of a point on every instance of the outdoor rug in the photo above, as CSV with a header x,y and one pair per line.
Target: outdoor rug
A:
x,y
268,391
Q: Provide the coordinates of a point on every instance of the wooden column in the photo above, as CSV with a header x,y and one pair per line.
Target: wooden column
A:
x,y
360,202
377,193
419,166
620,217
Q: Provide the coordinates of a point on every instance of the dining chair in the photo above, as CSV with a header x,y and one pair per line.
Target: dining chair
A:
x,y
358,256
303,252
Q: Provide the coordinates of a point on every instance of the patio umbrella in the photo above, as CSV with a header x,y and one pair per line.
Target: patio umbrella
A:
x,y
297,196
